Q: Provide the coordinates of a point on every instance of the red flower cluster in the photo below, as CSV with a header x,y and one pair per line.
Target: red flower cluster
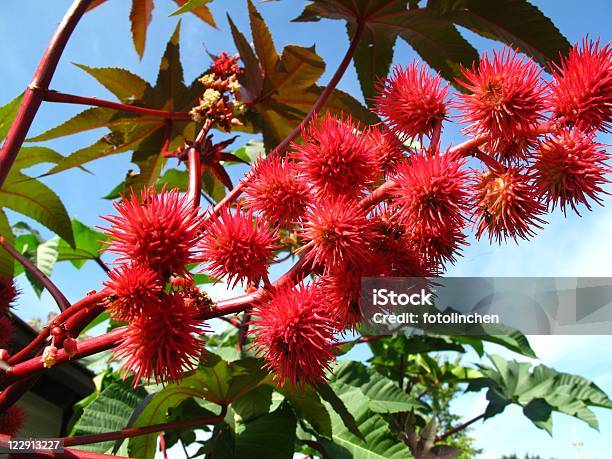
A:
x,y
220,103
156,237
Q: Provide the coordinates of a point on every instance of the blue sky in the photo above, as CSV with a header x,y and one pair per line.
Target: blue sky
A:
x,y
566,247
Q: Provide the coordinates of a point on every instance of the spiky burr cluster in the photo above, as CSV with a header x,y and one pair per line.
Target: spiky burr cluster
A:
x,y
360,201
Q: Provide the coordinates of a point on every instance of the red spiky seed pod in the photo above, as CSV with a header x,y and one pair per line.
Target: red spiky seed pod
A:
x,y
570,169
506,99
12,420
133,288
439,245
294,334
162,343
277,191
7,330
336,232
412,101
581,90
238,246
432,190
8,293
387,148
336,157
506,205
159,231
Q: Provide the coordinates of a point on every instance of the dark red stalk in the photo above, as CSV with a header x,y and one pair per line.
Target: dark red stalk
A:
x,y
68,453
144,430
37,342
488,160
58,296
33,95
459,428
86,348
319,103
195,176
384,191
243,302
434,145
55,96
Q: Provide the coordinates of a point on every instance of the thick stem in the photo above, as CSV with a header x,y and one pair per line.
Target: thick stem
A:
x,y
86,348
434,145
144,430
243,302
459,428
33,95
195,176
319,103
384,191
55,96
37,342
58,296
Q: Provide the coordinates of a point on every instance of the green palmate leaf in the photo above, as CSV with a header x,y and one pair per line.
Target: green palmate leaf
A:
x,y
251,152
110,411
540,390
271,436
434,38
515,22
34,199
125,85
89,244
212,186
376,442
328,393
283,89
44,258
7,264
173,178
382,394
217,381
31,156
7,114
254,403
308,405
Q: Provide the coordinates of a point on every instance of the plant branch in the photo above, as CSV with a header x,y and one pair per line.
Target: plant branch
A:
x,y
58,296
243,302
55,96
85,348
144,430
35,344
384,191
319,103
459,428
195,176
33,95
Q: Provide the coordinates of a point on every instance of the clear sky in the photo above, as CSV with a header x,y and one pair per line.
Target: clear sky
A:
x,y
567,247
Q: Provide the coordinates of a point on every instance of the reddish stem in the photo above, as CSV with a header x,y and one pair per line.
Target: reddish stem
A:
x,y
195,176
33,95
55,96
459,428
243,302
384,191
144,430
319,103
68,453
58,296
35,344
434,144
86,348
